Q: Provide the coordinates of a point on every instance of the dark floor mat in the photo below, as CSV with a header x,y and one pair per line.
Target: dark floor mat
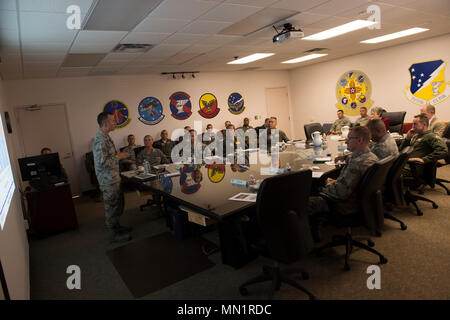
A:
x,y
156,262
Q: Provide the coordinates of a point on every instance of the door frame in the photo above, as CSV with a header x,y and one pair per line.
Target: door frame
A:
x,y
291,120
21,135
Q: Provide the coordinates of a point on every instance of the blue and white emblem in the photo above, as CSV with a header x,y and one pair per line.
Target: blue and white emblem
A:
x,y
236,103
150,111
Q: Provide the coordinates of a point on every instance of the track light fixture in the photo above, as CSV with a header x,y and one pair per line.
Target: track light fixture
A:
x,y
174,74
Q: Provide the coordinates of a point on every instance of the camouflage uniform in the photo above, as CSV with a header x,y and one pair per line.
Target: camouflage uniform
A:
x,y
165,147
154,157
339,123
106,164
344,189
427,146
385,147
362,121
132,157
437,126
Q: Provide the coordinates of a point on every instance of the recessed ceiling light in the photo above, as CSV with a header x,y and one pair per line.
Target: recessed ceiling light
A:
x,y
339,30
306,58
395,35
251,58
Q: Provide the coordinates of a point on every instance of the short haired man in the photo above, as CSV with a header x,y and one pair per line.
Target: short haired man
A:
x,y
153,155
427,146
364,117
383,144
434,124
130,162
246,125
164,144
344,188
340,122
106,161
272,126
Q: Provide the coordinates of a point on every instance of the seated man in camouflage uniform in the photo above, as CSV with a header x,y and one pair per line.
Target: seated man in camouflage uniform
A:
x,y
344,188
130,162
152,155
164,144
364,119
383,144
340,122
106,161
428,147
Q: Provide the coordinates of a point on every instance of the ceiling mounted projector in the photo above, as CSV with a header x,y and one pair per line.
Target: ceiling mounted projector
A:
x,y
288,32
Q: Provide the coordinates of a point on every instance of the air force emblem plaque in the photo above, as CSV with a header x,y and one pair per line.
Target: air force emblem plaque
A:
x,y
208,106
150,111
180,105
120,112
353,91
427,85
236,103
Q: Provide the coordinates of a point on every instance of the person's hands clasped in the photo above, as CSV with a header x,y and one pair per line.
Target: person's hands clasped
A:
x,y
419,160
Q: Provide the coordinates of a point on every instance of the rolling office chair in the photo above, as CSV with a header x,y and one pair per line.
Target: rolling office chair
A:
x,y
326,127
446,137
395,120
371,214
285,232
310,128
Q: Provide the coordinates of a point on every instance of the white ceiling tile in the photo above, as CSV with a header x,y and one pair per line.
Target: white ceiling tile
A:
x,y
328,23
161,25
8,5
89,36
187,9
304,19
122,56
181,58
229,13
59,6
200,48
92,47
43,57
9,40
335,6
219,40
44,47
8,20
165,50
297,5
47,27
205,27
255,3
185,38
145,37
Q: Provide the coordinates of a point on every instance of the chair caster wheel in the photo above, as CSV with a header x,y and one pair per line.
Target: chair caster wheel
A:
x,y
305,275
419,213
383,260
370,243
435,206
403,226
378,233
243,291
346,267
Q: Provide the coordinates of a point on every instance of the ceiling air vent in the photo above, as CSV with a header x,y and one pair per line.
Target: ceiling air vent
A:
x,y
132,47
316,50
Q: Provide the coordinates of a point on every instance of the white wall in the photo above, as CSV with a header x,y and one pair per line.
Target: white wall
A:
x,y
86,96
13,240
313,97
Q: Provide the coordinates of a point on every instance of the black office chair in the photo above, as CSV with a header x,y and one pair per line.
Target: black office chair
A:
x,y
393,192
326,127
446,137
310,128
285,232
395,120
371,214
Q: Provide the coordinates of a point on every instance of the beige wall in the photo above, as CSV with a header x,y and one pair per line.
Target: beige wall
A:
x,y
86,96
313,96
13,240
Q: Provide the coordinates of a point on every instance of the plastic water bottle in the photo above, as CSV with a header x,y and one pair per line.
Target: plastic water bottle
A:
x,y
288,167
146,166
251,180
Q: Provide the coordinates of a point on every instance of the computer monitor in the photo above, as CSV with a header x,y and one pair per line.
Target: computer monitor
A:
x,y
40,168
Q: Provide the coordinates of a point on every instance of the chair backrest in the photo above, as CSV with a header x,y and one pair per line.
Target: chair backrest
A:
x,y
395,120
282,217
326,127
446,133
310,128
137,150
394,186
370,193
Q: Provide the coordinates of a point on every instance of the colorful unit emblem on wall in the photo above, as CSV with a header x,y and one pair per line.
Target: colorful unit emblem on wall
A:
x,y
190,179
166,184
353,90
180,105
208,106
120,112
150,111
216,172
236,103
427,84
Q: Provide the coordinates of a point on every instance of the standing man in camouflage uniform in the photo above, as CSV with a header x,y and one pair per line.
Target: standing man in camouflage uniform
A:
x,y
428,147
340,122
106,161
383,144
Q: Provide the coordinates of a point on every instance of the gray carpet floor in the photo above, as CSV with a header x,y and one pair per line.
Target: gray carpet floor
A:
x,y
417,268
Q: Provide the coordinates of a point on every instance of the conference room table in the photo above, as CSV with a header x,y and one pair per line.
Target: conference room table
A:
x,y
204,191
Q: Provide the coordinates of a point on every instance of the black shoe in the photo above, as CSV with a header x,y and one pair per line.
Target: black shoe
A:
x,y
120,237
123,229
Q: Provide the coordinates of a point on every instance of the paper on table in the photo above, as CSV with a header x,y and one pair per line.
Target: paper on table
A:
x,y
172,174
161,166
129,174
317,174
145,176
249,197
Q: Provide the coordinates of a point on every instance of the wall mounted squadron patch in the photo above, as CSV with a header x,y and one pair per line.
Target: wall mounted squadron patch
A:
x,y
150,111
